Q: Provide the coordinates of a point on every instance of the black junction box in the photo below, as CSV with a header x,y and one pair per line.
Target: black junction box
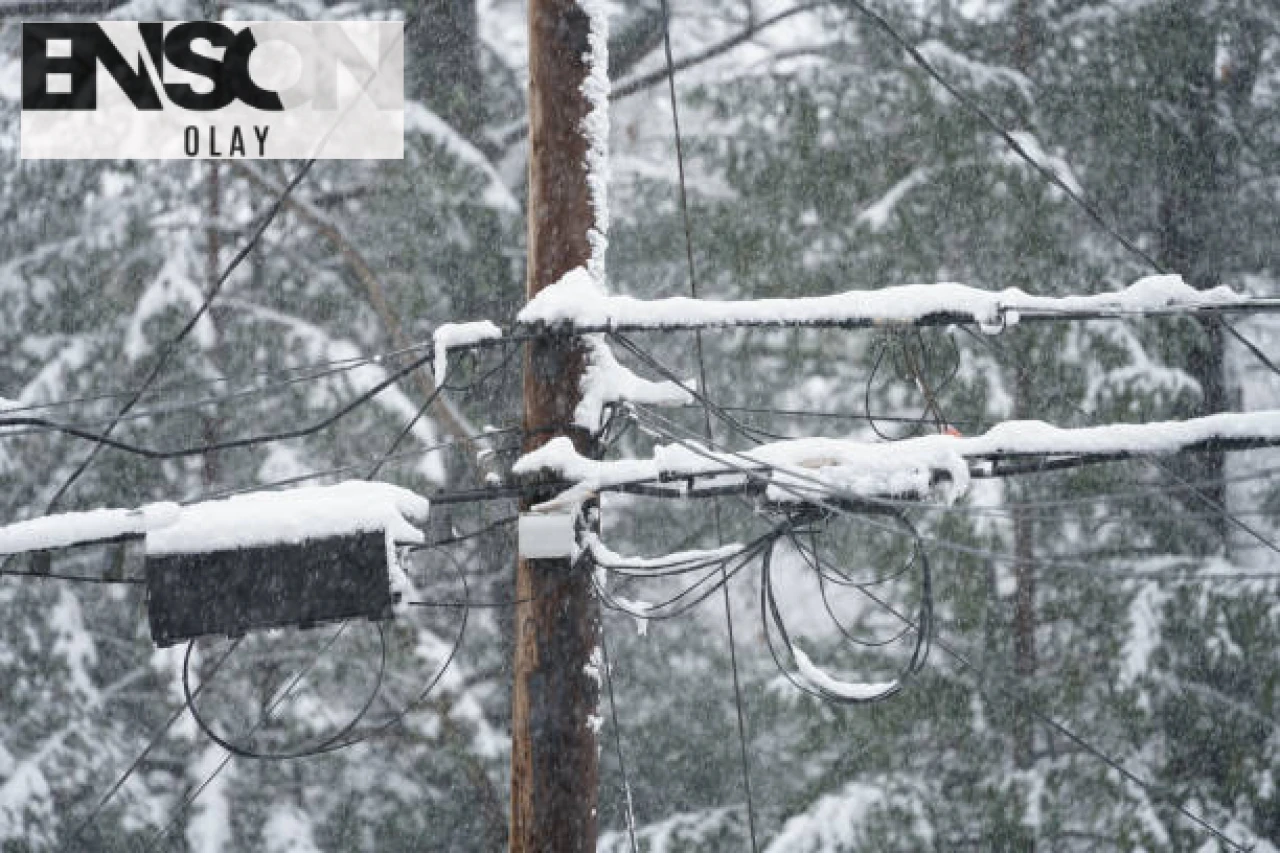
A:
x,y
227,593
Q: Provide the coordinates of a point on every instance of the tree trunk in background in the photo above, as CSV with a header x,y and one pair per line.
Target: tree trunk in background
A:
x,y
213,270
1190,239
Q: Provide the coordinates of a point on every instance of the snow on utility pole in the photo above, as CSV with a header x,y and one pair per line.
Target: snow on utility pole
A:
x,y
554,755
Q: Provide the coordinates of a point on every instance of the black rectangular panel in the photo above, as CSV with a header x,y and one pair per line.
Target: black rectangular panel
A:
x,y
227,593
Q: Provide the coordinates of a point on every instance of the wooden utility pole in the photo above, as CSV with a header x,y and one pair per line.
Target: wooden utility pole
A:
x,y
554,755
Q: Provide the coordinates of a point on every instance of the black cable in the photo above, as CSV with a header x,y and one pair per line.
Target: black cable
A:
x,y
55,576
329,744
351,740
702,379
819,494
1040,715
1186,484
103,439
849,416
1045,172
772,620
1030,707
617,741
324,368
154,742
171,347
717,576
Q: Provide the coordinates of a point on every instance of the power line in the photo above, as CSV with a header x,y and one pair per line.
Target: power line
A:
x,y
706,413
628,805
151,745
103,439
171,347
1045,172
324,368
1030,707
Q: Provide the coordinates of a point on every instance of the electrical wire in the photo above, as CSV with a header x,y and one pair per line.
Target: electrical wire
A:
x,y
771,618
1030,706
1199,493
702,374
159,736
338,740
172,345
103,439
284,379
629,804
1042,170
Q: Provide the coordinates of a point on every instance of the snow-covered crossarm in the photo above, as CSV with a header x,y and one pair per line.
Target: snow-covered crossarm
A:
x,y
244,521
937,466
577,302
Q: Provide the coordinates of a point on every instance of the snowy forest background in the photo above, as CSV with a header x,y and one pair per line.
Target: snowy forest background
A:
x,y
819,160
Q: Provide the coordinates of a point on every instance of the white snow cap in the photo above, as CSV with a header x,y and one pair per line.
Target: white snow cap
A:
x,y
575,301
813,468
455,335
291,517
595,127
76,528
244,521
607,381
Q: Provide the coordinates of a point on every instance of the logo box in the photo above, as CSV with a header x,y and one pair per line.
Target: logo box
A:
x,y
265,90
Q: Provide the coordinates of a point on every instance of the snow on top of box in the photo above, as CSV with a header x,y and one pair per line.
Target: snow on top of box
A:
x,y
253,520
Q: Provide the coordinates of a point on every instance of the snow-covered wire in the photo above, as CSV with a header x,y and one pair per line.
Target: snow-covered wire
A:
x,y
811,490
815,681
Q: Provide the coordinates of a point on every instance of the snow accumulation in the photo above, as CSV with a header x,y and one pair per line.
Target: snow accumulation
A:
x,y
454,335
291,517
243,521
980,75
595,127
613,560
576,301
607,381
914,467
1051,162
74,528
820,680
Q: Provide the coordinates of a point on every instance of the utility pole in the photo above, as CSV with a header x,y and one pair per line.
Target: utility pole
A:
x,y
554,754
